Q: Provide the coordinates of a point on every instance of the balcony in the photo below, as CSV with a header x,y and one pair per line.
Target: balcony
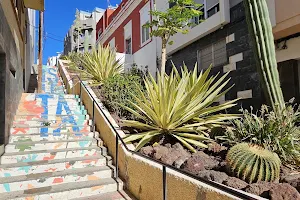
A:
x,y
215,19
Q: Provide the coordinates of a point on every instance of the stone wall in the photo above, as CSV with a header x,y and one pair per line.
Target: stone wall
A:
x,y
241,63
11,75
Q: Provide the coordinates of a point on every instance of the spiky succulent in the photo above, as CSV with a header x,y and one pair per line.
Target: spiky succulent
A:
x,y
253,163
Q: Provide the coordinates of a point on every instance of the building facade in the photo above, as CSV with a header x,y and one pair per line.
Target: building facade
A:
x,y
222,40
87,38
122,28
17,47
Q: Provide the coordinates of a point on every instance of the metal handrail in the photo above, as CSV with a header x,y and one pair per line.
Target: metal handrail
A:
x,y
219,186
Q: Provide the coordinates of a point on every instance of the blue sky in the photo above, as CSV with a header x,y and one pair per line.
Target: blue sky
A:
x,y
59,16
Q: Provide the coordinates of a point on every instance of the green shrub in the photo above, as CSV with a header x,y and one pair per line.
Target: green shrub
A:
x,y
253,163
118,90
277,131
180,107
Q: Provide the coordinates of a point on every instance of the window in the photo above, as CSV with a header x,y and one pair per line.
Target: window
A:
x,y
99,32
128,46
197,20
212,7
145,34
144,19
214,54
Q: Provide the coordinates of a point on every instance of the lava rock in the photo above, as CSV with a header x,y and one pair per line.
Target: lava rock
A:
x,y
215,147
199,162
148,151
235,183
172,154
274,191
283,191
212,175
208,161
293,180
193,165
182,154
160,151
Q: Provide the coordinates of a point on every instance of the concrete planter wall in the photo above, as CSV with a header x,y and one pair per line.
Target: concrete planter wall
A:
x,y
142,177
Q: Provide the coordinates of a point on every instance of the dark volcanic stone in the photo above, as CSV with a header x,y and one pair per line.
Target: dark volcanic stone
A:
x,y
235,183
284,191
173,154
212,175
148,150
274,191
293,180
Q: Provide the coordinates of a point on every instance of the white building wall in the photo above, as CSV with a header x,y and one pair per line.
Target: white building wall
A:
x,y
145,58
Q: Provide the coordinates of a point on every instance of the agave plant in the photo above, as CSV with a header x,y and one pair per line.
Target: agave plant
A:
x,y
180,107
99,64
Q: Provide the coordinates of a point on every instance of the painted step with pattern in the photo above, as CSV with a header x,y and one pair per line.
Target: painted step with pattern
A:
x,y
50,107
52,124
53,112
35,146
67,191
52,96
23,168
50,154
35,123
51,137
17,174
32,96
57,178
49,130
43,117
49,101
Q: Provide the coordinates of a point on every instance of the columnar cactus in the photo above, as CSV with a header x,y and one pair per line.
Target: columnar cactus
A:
x,y
260,29
253,163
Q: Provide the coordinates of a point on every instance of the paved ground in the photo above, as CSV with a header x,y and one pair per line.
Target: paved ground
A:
x,y
52,153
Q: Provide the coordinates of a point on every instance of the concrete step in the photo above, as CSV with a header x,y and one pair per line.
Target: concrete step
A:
x,y
46,130
51,137
40,102
51,123
39,146
108,196
42,117
50,154
55,178
66,191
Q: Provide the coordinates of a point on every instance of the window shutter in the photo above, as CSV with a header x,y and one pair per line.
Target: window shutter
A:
x,y
220,54
205,57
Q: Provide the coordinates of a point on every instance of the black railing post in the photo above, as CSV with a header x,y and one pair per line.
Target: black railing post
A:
x,y
80,92
93,125
117,157
164,183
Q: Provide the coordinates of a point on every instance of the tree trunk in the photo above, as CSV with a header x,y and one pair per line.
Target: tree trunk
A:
x,y
163,57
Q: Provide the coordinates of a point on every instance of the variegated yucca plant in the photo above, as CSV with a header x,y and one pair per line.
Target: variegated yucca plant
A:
x,y
99,64
179,106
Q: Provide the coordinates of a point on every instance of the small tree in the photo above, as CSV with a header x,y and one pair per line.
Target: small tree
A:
x,y
77,28
175,19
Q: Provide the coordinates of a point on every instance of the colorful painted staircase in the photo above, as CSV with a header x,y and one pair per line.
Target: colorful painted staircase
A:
x,y
52,152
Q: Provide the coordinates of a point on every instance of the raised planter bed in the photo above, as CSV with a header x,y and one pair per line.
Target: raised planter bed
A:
x,y
143,177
